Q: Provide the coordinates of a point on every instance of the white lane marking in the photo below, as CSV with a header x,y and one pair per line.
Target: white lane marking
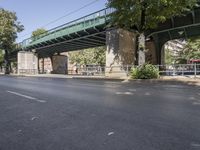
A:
x,y
41,101
19,131
124,93
147,94
111,133
26,96
133,90
34,118
191,98
196,103
195,145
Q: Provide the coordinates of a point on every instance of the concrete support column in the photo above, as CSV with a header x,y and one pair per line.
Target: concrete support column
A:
x,y
121,50
60,64
27,63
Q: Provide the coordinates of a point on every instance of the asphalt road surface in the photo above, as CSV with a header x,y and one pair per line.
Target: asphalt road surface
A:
x,y
72,114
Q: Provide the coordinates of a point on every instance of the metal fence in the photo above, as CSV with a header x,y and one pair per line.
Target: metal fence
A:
x,y
165,70
100,70
27,71
179,70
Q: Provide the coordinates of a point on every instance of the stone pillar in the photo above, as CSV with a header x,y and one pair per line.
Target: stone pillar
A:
x,y
121,49
60,64
27,63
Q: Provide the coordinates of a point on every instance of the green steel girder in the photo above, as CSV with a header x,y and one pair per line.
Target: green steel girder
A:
x,y
73,44
94,40
81,43
68,41
100,37
88,42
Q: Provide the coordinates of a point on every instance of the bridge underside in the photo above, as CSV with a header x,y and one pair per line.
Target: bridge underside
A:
x,y
178,27
181,27
93,37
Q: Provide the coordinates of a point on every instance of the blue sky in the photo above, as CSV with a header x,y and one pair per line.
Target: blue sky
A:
x,y
34,14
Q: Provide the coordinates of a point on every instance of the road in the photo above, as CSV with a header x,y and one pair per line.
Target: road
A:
x,y
75,114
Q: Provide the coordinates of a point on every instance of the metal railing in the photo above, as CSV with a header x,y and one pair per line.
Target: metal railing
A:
x,y
27,71
179,70
100,70
165,70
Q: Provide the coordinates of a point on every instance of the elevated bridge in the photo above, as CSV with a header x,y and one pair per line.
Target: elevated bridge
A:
x,y
93,31
86,32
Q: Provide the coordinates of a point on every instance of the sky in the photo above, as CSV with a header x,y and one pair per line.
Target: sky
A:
x,y
34,14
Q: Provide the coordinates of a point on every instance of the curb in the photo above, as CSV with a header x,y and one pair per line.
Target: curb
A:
x,y
194,82
190,81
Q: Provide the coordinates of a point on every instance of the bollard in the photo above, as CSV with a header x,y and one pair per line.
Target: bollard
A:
x,y
195,70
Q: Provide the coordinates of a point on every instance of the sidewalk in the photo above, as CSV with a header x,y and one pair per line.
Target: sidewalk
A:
x,y
184,79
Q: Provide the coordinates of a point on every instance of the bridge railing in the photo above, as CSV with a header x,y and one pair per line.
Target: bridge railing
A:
x,y
85,21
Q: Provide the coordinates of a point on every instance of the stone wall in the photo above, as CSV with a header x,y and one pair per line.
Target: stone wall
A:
x,y
60,64
121,49
27,63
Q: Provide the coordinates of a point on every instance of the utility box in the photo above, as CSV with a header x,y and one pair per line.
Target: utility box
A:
x,y
27,63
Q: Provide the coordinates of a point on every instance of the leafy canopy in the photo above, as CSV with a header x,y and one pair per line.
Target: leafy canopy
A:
x,y
191,50
169,58
95,56
1,56
9,27
141,15
37,33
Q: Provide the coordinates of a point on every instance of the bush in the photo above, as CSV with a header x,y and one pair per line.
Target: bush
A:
x,y
146,71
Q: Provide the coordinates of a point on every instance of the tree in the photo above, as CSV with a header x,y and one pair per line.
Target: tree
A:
x,y
95,56
169,58
1,56
37,33
9,27
1,60
191,50
141,15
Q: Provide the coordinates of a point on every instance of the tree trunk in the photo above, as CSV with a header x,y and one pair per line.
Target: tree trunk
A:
x,y
141,49
7,63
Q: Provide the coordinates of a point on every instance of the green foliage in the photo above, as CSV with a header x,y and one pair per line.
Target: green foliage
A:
x,y
169,58
1,56
146,71
141,15
191,50
37,33
146,14
89,56
9,27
